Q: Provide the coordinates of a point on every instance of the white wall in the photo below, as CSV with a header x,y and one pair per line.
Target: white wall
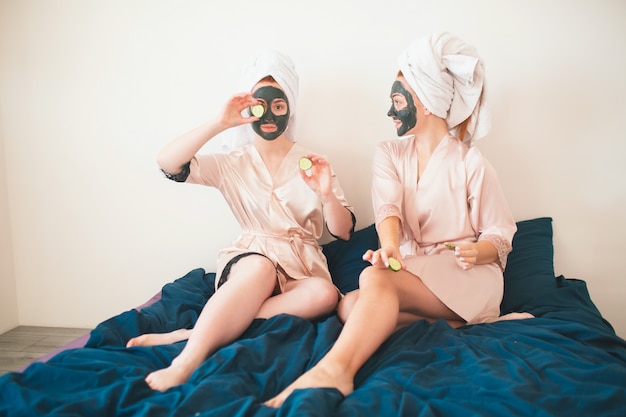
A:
x,y
91,90
8,293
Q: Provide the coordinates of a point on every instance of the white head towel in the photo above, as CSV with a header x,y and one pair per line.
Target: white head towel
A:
x,y
448,77
265,62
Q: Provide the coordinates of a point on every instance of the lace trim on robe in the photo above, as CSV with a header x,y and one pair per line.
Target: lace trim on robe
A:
x,y
386,210
502,245
181,176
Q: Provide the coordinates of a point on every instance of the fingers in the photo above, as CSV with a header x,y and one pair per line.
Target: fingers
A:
x,y
380,258
318,177
245,99
373,257
235,107
320,168
307,179
465,254
241,101
318,161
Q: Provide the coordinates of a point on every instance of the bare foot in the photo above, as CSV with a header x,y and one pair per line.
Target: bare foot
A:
x,y
154,339
168,377
317,377
510,316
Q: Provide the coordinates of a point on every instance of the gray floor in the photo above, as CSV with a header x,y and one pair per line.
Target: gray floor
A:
x,y
24,344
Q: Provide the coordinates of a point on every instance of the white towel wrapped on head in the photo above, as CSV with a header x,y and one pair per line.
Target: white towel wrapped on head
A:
x,y
448,77
262,63
275,64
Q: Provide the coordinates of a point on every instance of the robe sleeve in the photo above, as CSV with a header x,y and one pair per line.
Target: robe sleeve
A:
x,y
386,185
489,211
206,170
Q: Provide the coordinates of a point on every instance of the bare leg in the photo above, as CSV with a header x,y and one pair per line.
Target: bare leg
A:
x,y
226,315
404,317
510,316
372,319
309,298
153,339
346,305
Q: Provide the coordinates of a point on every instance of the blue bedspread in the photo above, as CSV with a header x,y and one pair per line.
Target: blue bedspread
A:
x,y
566,362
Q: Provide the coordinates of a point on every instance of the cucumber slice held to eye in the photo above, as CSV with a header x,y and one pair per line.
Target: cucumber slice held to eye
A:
x,y
394,264
305,163
257,110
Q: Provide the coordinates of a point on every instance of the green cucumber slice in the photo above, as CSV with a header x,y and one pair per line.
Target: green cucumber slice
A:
x,y
305,163
394,264
257,110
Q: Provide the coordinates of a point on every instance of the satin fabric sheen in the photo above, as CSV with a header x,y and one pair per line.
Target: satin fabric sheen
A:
x,y
280,217
457,199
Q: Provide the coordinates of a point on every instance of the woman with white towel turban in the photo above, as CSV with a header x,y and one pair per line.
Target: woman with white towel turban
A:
x,y
276,265
439,211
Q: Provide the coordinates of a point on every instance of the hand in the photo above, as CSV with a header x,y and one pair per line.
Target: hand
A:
x,y
380,257
231,114
320,176
465,253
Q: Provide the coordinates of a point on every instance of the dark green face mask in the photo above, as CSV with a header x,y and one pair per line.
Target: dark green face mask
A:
x,y
274,121
407,114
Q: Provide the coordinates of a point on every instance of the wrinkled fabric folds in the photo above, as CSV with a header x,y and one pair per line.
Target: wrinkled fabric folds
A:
x,y
457,198
566,362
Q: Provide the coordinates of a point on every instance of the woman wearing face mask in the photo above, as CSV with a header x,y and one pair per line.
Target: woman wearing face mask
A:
x,y
439,210
276,265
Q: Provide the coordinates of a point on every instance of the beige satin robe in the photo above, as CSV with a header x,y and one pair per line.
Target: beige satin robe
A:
x,y
457,199
280,218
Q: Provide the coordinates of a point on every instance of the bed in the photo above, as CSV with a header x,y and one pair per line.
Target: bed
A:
x,y
567,361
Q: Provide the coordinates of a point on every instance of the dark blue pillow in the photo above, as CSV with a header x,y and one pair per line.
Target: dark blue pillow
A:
x,y
529,269
345,258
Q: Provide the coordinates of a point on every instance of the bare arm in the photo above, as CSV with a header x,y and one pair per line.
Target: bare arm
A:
x,y
389,236
389,233
338,218
486,252
181,150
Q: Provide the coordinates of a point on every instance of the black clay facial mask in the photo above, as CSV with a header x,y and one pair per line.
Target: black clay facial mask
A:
x,y
402,108
274,121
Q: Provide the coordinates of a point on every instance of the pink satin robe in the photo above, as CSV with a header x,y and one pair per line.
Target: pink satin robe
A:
x,y
281,218
457,199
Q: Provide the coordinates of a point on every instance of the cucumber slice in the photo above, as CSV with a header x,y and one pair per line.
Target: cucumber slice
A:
x,y
449,246
394,264
305,163
257,110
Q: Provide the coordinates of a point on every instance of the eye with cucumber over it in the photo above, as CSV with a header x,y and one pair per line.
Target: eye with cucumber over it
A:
x,y
305,163
394,264
257,110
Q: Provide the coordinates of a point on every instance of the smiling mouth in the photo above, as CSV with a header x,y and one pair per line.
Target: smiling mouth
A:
x,y
267,128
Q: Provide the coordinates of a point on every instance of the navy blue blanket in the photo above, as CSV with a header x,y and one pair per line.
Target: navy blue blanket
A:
x,y
566,362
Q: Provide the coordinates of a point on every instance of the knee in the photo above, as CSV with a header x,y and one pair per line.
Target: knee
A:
x,y
373,276
320,296
323,294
